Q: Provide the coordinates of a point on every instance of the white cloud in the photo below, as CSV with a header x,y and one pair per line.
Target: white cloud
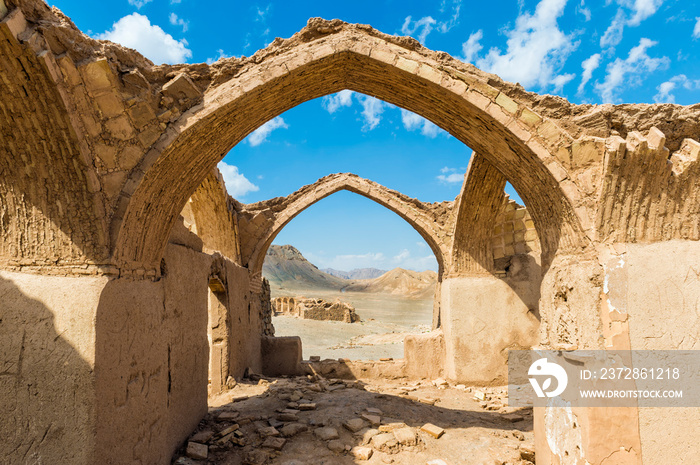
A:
x,y
451,178
261,13
412,122
559,81
665,96
585,11
628,72
424,25
237,184
220,55
641,9
372,110
456,6
589,65
630,13
175,21
259,136
536,49
139,3
405,260
333,103
420,28
472,47
613,34
403,255
135,31
696,30
450,175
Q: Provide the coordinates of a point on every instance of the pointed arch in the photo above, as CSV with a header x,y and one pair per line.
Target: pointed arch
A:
x,y
326,59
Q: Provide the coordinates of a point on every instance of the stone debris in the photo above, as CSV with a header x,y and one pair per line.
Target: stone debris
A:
x,y
328,425
406,436
268,431
197,451
336,445
434,431
228,415
382,440
326,433
527,453
287,417
362,453
391,426
368,435
202,437
228,430
274,443
185,461
292,429
354,424
374,420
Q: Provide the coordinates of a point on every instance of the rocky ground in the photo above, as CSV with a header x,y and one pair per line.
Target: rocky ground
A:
x,y
309,421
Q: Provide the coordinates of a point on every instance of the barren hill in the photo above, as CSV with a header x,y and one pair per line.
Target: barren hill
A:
x,y
407,283
357,273
286,268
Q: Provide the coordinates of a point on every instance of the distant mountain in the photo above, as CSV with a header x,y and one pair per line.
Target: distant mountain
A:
x,y
287,269
407,283
357,273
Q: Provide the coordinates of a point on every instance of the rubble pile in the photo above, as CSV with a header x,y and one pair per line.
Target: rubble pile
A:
x,y
317,421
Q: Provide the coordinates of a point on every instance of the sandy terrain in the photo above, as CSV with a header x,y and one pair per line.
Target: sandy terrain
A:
x,y
386,319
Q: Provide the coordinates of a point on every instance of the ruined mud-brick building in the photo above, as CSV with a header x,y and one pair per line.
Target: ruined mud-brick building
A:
x,y
128,278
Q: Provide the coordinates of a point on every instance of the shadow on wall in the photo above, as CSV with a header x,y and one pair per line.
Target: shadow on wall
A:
x,y
46,393
151,359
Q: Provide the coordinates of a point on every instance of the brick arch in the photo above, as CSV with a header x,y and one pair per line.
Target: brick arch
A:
x,y
419,215
325,59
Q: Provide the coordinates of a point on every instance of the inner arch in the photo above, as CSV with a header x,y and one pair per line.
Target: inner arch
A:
x,y
324,187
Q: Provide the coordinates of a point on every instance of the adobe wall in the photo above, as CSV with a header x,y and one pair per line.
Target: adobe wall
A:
x,y
47,356
660,296
119,365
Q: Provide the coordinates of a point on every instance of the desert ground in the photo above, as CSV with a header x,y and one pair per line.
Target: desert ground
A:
x,y
386,319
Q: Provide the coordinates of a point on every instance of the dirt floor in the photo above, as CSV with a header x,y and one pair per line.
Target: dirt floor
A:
x,y
309,421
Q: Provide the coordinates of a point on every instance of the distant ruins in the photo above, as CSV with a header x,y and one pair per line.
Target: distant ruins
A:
x,y
315,309
130,282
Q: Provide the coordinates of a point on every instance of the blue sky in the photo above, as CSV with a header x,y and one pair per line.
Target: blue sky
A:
x,y
615,51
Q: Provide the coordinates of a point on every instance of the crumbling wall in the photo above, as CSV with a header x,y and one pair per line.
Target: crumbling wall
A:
x,y
266,309
315,309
